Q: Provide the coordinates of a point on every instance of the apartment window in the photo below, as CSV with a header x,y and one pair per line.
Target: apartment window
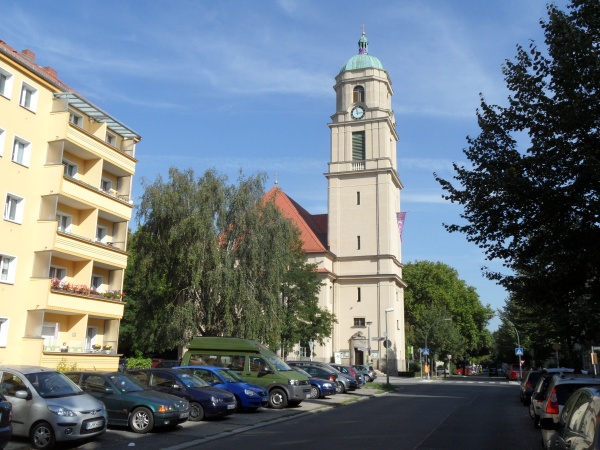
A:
x,y
358,95
70,168
96,283
358,295
6,82
358,198
105,184
359,322
28,97
2,135
59,273
13,208
101,233
358,146
21,151
358,242
111,139
3,331
64,222
75,118
7,268
50,330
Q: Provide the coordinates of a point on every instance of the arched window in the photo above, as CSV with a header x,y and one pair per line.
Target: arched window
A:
x,y
358,94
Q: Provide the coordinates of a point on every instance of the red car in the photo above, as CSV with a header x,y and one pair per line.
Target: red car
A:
x,y
467,371
513,371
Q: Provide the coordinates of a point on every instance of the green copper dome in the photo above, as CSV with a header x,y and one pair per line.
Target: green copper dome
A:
x,y
363,60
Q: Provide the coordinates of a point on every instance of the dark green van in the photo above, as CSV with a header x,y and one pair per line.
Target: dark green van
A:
x,y
255,363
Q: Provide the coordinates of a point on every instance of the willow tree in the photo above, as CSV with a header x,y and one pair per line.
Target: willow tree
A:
x,y
208,258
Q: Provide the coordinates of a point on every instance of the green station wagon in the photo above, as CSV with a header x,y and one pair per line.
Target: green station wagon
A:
x,y
130,403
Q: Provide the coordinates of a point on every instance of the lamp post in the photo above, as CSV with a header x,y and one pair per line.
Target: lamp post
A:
x,y
387,346
518,346
369,342
427,335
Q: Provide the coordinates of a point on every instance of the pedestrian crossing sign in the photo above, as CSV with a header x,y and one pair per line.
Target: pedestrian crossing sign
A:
x,y
519,351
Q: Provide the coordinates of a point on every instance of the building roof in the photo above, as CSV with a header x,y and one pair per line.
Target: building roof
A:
x,y
26,58
313,228
363,60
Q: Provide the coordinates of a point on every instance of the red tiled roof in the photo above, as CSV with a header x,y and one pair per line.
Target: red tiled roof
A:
x,y
313,228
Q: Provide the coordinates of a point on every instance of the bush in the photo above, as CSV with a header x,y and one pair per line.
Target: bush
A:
x,y
414,367
139,362
64,366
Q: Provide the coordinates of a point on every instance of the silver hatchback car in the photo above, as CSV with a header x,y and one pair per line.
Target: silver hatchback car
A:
x,y
48,407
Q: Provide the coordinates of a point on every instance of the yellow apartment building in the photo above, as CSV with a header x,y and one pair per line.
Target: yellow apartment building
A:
x,y
66,172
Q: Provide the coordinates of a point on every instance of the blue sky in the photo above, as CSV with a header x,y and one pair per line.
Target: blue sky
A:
x,y
249,85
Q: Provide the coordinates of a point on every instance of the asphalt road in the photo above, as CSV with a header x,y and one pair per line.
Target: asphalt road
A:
x,y
472,412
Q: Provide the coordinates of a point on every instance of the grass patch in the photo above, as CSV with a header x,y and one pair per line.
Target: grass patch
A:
x,y
385,387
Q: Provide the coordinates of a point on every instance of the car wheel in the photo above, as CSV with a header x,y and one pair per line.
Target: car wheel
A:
x,y
342,388
42,436
141,420
239,407
196,412
277,399
314,392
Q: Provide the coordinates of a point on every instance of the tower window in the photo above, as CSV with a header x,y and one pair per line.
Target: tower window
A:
x,y
358,242
358,294
358,146
358,198
358,95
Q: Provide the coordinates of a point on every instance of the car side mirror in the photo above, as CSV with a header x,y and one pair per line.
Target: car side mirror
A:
x,y
266,369
23,394
177,386
109,391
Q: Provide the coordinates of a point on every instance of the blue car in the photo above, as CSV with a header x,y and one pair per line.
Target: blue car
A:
x,y
205,400
249,396
319,388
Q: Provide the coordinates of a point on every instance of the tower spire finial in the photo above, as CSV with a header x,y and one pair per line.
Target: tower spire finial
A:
x,y
363,43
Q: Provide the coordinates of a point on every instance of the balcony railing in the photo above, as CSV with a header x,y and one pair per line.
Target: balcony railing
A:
x,y
59,286
110,192
358,165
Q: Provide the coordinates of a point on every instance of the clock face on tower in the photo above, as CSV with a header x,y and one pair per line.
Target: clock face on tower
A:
x,y
358,112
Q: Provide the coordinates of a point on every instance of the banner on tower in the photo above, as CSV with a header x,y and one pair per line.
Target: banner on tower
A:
x,y
400,219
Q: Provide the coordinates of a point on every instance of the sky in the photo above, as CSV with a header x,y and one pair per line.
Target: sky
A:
x,y
248,86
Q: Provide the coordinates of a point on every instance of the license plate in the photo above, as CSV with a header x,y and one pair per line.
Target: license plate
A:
x,y
307,396
94,424
230,406
183,415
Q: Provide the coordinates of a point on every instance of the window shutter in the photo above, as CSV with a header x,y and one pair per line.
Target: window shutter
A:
x,y
358,146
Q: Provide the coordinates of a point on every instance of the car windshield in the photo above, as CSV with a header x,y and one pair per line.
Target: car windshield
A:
x,y
303,372
53,384
190,380
230,376
125,383
279,364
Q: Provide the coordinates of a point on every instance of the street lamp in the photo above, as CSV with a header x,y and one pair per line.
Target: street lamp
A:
x,y
518,345
369,342
387,346
427,335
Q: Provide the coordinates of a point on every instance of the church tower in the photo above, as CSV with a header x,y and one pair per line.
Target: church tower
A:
x,y
363,207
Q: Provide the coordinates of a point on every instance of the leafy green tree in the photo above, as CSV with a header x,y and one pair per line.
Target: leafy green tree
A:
x,y
434,293
531,190
209,259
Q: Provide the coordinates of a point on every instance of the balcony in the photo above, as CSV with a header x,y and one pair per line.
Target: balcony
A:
x,y
83,196
83,248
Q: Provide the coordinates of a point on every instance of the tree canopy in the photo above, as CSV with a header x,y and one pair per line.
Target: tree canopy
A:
x,y
531,190
434,293
212,259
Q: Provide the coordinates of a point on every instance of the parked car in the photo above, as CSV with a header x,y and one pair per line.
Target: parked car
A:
x,y
47,407
539,392
441,370
345,382
527,385
205,400
319,388
247,395
514,374
5,421
348,370
464,371
130,403
560,389
578,427
493,372
367,371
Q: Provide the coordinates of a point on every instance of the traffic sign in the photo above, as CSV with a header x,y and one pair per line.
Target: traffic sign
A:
x,y
425,352
519,351
387,343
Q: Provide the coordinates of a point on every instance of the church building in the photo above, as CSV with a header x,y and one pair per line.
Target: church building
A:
x,y
357,244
